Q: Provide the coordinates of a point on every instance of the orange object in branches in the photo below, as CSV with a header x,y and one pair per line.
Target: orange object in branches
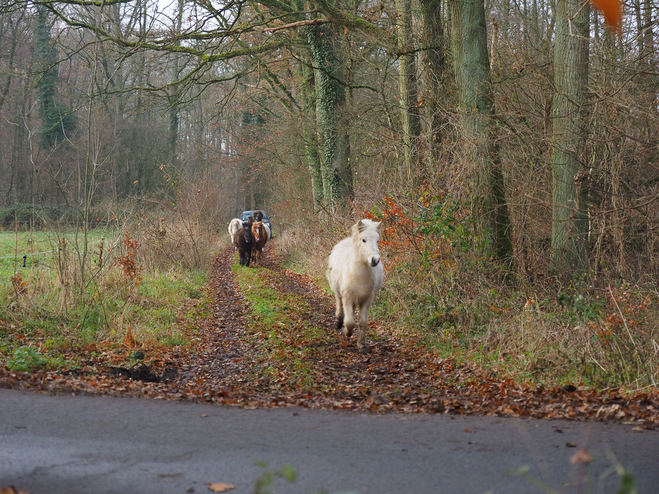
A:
x,y
612,10
128,262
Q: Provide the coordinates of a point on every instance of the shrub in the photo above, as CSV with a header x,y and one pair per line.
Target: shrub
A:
x,y
26,359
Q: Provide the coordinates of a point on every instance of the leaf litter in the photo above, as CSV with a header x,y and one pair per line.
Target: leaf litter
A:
x,y
228,362
221,487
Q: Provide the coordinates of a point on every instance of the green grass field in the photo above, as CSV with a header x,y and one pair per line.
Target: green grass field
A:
x,y
46,312
40,248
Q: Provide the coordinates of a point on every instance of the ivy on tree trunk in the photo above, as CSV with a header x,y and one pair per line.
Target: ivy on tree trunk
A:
x,y
309,134
56,119
335,166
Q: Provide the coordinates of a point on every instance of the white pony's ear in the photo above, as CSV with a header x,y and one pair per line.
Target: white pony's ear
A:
x,y
358,227
378,227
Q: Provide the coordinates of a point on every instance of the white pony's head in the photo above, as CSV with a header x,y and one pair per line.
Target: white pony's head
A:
x,y
365,236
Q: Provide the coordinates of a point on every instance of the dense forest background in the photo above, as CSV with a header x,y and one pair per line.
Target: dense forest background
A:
x,y
535,119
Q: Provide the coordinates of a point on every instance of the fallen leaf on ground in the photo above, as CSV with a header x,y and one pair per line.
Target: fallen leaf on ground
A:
x,y
221,487
12,490
581,456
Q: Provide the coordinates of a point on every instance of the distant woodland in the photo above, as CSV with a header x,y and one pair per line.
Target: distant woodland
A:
x,y
528,120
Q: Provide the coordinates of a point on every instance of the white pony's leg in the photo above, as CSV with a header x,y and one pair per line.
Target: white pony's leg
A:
x,y
363,325
348,317
339,310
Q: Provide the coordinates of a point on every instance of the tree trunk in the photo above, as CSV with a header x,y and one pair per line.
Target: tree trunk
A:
x,y
310,136
336,169
472,69
175,94
14,25
434,69
570,176
409,104
45,63
648,32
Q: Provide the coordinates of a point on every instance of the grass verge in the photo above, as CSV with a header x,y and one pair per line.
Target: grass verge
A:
x,y
50,317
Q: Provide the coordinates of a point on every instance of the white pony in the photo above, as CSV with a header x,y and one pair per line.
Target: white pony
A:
x,y
234,227
355,274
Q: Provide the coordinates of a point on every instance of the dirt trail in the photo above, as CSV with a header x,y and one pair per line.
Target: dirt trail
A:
x,y
396,375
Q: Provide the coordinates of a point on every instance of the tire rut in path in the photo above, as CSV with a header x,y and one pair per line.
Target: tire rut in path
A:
x,y
224,364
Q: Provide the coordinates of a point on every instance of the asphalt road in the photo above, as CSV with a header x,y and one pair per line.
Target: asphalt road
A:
x,y
81,444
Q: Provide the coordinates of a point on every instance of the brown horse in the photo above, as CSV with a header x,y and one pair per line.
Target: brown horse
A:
x,y
261,235
244,241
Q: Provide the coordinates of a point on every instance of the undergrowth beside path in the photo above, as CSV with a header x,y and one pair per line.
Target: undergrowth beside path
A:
x,y
265,337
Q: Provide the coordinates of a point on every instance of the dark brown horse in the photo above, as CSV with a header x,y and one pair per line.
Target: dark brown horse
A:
x,y
260,234
244,240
